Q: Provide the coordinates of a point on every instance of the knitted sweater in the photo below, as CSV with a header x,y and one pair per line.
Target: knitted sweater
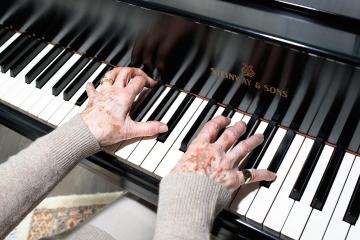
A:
x,y
187,202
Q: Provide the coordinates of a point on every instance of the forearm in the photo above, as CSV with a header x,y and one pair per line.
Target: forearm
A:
x,y
29,175
187,206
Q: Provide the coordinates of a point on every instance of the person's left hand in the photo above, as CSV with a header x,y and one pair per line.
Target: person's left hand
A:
x,y
107,112
214,159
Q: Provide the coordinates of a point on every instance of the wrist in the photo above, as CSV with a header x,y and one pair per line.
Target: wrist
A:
x,y
191,200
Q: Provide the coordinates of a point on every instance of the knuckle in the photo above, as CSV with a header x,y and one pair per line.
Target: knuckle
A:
x,y
245,146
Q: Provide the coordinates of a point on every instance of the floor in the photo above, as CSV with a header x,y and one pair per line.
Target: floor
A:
x,y
78,181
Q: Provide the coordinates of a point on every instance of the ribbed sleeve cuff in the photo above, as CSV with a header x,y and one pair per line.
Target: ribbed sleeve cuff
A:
x,y
190,202
71,142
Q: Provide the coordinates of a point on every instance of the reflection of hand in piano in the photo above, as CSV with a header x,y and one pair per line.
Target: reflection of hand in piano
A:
x,y
106,114
210,157
164,48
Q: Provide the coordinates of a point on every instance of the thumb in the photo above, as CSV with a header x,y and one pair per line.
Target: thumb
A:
x,y
148,129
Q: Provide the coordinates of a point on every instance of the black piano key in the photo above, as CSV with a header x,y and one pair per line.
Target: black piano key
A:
x,y
75,85
355,139
353,209
304,94
6,36
332,103
223,89
164,105
12,48
307,169
95,82
52,69
257,154
238,96
207,113
28,56
307,117
350,125
21,53
2,31
328,178
280,155
179,113
42,64
228,112
69,75
142,107
250,127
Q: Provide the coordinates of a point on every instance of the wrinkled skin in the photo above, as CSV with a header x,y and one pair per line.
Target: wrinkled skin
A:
x,y
214,158
107,112
107,116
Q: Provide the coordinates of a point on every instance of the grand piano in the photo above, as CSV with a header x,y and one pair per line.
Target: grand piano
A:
x,y
289,69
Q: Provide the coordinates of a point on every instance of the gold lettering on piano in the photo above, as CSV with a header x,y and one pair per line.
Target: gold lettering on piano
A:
x,y
247,72
247,77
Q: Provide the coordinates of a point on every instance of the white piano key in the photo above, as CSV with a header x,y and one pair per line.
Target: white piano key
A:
x,y
25,93
145,145
246,119
5,82
125,151
19,82
337,228
236,118
283,203
9,41
218,112
260,207
73,112
51,108
318,221
41,98
160,149
77,109
246,194
67,106
301,210
354,232
174,154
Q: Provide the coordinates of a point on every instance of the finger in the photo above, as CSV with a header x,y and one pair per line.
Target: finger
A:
x,y
136,85
147,129
90,90
110,75
230,135
211,129
127,73
240,150
257,175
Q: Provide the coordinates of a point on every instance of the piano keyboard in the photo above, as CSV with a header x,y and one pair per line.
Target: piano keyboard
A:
x,y
315,195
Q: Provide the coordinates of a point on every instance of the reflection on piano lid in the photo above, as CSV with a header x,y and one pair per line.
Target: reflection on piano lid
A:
x,y
306,106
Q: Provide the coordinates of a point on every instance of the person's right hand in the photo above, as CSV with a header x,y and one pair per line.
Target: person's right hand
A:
x,y
211,158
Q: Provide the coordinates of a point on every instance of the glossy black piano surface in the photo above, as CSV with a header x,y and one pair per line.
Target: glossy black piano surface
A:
x,y
285,72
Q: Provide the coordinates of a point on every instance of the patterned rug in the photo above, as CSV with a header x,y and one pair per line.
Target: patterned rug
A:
x,y
55,215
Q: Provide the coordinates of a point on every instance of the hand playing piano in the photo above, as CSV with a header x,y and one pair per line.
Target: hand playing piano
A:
x,y
217,160
107,112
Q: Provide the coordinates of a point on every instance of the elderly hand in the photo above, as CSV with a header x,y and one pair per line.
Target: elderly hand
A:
x,y
107,112
211,158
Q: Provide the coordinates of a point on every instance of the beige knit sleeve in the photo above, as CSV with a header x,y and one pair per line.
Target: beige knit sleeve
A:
x,y
28,176
188,204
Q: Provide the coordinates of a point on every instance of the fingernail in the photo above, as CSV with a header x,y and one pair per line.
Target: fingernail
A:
x,y
273,175
260,136
163,128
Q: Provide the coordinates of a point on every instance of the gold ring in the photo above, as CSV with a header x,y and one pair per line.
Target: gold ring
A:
x,y
247,175
107,79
